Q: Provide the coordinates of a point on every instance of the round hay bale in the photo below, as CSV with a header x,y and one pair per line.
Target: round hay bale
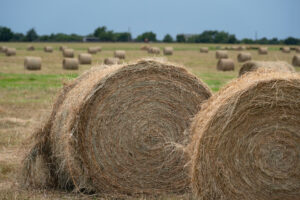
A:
x,y
48,49
243,57
10,51
68,53
262,50
120,54
225,64
112,61
297,49
204,50
145,47
168,51
221,54
70,63
93,50
33,63
121,130
3,49
286,50
296,60
62,48
267,65
154,50
30,48
241,48
246,141
85,58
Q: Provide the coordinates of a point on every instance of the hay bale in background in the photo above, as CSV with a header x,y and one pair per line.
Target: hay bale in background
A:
x,y
62,48
204,50
85,58
296,60
225,64
297,49
245,142
33,63
262,50
267,65
241,48
145,47
48,49
10,51
112,61
120,54
30,48
168,51
120,130
3,49
68,53
243,57
154,50
221,54
93,50
70,63
286,49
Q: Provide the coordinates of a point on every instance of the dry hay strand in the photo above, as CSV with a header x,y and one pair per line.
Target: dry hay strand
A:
x,y
168,51
246,140
85,59
30,48
70,63
10,52
221,54
204,50
286,50
94,50
296,60
120,54
262,50
33,63
68,53
48,49
225,64
112,61
269,65
243,57
120,130
154,50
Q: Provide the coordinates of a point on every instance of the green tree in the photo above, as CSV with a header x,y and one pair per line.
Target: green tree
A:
x,y
5,34
180,38
31,35
291,40
168,38
150,36
103,34
123,37
18,37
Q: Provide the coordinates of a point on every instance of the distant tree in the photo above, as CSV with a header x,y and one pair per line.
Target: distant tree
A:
x,y
31,35
291,40
180,38
168,38
123,37
5,34
18,37
103,34
150,36
232,39
247,41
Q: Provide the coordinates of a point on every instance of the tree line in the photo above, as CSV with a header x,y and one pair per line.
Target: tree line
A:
x,y
103,35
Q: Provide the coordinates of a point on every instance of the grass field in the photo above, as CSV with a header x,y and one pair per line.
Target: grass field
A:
x,y
26,97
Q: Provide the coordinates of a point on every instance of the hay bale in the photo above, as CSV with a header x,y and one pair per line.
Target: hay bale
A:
x,y
3,49
221,54
241,48
70,63
120,54
286,50
48,49
120,130
246,140
93,50
204,50
168,51
33,63
154,50
10,51
267,65
262,50
68,53
243,57
297,49
62,48
225,64
145,47
85,58
30,48
296,60
112,61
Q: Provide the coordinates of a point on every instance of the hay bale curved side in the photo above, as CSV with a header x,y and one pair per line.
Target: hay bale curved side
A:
x,y
243,57
286,50
33,63
61,48
10,52
204,50
296,60
297,49
120,54
154,50
93,50
48,49
225,64
30,48
70,63
68,53
249,133
262,50
168,51
268,65
112,61
221,54
85,59
120,130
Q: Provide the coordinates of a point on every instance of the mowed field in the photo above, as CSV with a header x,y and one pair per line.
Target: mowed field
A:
x,y
26,97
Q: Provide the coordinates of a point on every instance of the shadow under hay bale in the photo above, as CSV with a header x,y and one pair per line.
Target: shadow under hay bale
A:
x,y
225,64
221,54
204,50
48,49
296,60
120,130
168,51
269,65
70,63
246,140
10,52
243,57
112,61
120,54
33,63
85,59
68,53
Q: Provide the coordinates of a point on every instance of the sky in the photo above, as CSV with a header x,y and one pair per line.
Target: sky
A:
x,y
244,18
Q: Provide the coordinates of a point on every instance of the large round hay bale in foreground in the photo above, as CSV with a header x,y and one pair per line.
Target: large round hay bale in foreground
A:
x,y
243,57
120,54
121,130
33,63
68,53
10,51
221,54
268,65
168,51
112,61
70,63
296,60
204,50
48,49
262,50
30,48
246,142
225,64
286,49
85,58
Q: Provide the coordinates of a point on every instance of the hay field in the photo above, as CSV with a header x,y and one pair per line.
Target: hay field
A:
x,y
26,97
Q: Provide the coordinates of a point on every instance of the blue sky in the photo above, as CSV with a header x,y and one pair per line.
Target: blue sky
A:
x,y
269,18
